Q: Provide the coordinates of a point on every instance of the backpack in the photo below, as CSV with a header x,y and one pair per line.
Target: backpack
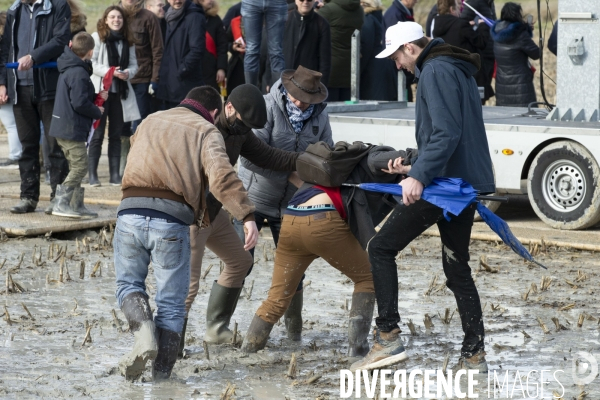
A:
x,y
320,164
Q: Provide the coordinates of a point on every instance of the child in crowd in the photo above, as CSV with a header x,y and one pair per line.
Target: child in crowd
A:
x,y
74,110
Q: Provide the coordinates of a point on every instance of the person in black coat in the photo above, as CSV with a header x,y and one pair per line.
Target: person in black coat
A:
x,y
457,31
553,39
307,40
185,44
432,13
378,76
214,62
237,48
74,110
484,76
513,46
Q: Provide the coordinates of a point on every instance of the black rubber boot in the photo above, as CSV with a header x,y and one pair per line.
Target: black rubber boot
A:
x,y
24,206
221,305
251,78
78,206
359,325
93,172
182,342
113,167
137,311
168,346
257,335
293,317
62,204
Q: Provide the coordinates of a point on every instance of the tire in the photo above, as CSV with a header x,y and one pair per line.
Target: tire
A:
x,y
562,186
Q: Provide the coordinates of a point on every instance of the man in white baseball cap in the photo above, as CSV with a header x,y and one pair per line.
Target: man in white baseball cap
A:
x,y
452,143
403,44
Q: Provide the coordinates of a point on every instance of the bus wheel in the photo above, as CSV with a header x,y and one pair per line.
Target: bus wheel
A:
x,y
562,186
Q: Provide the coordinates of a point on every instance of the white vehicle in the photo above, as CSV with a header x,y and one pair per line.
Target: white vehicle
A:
x,y
551,161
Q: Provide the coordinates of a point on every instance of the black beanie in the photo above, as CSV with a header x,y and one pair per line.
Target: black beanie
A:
x,y
249,102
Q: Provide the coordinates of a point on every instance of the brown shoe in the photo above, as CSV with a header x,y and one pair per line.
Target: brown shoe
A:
x,y
476,362
387,350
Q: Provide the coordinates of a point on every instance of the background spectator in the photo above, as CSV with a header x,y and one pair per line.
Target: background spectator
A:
x,y
307,40
214,62
114,48
236,46
457,31
513,46
8,120
428,25
156,7
488,60
378,76
148,51
34,37
78,18
553,39
185,43
272,14
344,16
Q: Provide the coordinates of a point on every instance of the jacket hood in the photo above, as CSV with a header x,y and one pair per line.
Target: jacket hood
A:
x,y
373,10
506,32
70,60
443,24
468,62
348,5
277,98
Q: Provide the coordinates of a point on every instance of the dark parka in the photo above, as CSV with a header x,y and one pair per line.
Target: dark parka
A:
x,y
307,42
344,16
74,107
235,64
459,32
397,13
514,46
211,63
378,76
253,150
449,125
52,35
185,43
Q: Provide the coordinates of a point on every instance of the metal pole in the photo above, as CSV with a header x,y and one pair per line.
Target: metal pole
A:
x,y
355,67
401,86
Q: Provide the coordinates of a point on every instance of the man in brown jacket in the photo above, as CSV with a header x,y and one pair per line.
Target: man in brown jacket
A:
x,y
245,109
175,156
148,52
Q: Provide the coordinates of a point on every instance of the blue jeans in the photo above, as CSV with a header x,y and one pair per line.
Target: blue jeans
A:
x,y
274,224
139,240
273,14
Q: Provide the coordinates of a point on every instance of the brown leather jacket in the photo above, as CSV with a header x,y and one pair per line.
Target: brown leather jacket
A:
x,y
177,155
149,46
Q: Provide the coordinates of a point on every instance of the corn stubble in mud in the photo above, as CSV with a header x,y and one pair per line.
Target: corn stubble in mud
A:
x,y
63,334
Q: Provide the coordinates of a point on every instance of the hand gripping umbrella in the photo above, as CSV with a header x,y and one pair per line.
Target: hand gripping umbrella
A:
x,y
453,195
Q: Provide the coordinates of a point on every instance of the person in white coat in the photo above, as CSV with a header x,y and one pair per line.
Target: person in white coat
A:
x,y
115,47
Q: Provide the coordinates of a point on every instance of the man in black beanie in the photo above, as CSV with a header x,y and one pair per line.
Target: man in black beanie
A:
x,y
245,109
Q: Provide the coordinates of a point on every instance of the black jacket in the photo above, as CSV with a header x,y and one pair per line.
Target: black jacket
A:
x,y
513,47
449,126
432,13
53,33
307,42
235,65
185,44
74,106
212,62
254,150
459,32
378,76
397,13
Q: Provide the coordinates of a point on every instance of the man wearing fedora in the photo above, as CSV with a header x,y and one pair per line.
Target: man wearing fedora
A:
x,y
296,117
245,109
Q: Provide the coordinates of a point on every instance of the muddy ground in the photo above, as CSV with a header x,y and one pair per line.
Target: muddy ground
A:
x,y
45,357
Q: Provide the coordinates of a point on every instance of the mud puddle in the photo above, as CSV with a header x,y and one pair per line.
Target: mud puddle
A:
x,y
47,357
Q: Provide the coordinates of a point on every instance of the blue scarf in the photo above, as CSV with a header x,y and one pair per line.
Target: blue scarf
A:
x,y
296,115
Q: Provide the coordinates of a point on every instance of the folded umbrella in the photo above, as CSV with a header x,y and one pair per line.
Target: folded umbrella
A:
x,y
99,101
453,195
49,64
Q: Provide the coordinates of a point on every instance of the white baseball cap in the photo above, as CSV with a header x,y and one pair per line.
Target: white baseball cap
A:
x,y
398,35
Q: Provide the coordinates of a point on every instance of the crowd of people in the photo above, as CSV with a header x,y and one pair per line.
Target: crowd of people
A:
x,y
154,76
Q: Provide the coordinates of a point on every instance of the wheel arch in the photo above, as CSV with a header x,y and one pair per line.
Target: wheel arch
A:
x,y
540,147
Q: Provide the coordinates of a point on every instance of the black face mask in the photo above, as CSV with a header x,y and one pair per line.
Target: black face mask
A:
x,y
238,127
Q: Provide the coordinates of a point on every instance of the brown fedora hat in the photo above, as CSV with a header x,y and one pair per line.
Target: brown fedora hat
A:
x,y
304,84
